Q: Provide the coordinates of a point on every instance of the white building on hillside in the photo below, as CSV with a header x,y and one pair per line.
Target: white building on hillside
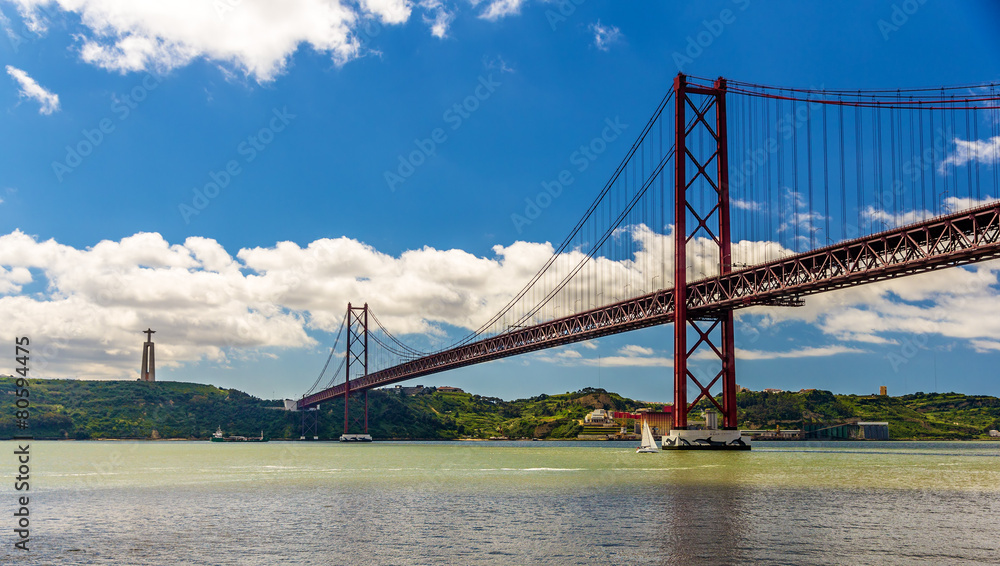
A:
x,y
598,416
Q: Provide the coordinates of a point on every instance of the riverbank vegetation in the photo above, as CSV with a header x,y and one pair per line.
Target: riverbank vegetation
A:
x,y
74,409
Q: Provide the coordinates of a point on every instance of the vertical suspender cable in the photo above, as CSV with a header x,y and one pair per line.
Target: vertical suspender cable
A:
x,y
859,125
826,179
843,169
809,175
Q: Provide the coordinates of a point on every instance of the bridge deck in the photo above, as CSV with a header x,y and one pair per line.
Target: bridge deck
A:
x,y
955,239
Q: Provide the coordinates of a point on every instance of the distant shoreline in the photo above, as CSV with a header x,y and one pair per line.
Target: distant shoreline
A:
x,y
174,411
480,440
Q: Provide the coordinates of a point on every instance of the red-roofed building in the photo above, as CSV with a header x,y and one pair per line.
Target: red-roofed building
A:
x,y
661,422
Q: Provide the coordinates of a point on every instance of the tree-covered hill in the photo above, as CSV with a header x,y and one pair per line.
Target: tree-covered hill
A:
x,y
135,409
73,409
925,416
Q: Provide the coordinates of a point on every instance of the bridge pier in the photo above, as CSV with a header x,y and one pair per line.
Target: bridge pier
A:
x,y
706,440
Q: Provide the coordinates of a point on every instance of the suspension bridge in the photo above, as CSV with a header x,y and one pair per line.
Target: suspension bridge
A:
x,y
734,195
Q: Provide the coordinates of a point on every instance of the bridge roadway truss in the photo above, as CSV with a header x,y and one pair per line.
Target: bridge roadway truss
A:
x,y
947,241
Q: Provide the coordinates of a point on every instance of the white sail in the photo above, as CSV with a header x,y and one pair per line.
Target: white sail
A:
x,y
648,442
647,436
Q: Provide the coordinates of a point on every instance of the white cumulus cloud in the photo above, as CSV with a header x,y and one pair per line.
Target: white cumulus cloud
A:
x,y
495,9
631,361
256,37
966,151
207,304
808,352
389,11
746,204
437,17
29,88
635,350
605,36
948,205
959,303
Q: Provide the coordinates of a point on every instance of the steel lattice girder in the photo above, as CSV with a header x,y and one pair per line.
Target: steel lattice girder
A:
x,y
956,239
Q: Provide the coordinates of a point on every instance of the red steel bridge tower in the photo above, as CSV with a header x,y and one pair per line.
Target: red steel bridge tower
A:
x,y
357,354
703,166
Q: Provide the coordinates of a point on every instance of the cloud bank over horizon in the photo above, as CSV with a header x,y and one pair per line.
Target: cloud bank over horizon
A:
x,y
213,306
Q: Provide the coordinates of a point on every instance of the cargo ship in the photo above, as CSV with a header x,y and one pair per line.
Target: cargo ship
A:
x,y
218,436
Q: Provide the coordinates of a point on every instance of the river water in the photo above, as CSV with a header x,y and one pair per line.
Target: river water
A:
x,y
505,503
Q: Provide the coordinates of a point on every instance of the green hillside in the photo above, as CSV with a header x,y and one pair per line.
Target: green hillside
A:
x,y
133,409
923,416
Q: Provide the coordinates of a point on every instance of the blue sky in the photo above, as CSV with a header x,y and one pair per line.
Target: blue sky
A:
x,y
302,112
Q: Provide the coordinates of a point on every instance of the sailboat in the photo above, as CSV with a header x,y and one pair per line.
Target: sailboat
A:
x,y
648,445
